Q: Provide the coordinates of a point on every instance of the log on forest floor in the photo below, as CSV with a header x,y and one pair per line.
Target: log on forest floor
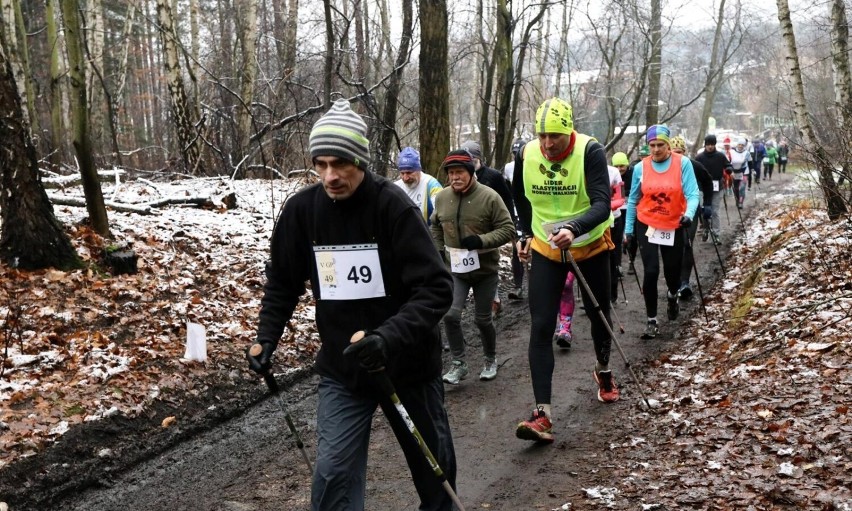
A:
x,y
76,179
145,208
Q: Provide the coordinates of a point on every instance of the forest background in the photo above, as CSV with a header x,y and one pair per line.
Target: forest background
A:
x,y
231,87
162,90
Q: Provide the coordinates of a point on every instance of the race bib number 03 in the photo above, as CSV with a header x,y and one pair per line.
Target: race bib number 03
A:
x,y
661,237
463,260
349,272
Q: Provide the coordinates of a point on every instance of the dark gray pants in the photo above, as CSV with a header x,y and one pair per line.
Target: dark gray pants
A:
x,y
343,429
483,293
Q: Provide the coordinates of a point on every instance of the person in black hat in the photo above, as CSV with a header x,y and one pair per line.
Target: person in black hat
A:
x,y
717,165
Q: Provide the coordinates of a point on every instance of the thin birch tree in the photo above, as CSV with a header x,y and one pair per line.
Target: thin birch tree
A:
x,y
834,202
80,119
184,117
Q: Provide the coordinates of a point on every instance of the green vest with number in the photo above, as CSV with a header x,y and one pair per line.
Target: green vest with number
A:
x,y
557,191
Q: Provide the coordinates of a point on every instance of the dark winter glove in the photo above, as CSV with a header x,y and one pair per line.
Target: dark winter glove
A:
x,y
708,212
632,245
472,242
262,362
685,222
371,352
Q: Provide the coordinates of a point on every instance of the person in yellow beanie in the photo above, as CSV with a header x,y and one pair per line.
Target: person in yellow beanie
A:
x,y
562,194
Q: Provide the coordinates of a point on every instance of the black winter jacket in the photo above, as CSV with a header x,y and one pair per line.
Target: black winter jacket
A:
x,y
418,287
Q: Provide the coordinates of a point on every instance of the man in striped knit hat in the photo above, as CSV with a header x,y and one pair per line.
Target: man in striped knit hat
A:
x,y
369,257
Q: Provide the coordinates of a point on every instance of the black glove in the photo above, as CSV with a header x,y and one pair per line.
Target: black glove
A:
x,y
708,212
685,221
472,242
262,362
632,244
371,352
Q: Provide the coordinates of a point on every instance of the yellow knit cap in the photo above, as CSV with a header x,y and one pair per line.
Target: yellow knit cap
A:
x,y
554,116
619,159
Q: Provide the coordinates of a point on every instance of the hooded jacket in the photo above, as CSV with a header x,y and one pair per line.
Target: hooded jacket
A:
x,y
418,288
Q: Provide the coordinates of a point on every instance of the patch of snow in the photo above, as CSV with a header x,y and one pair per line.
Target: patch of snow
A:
x,y
607,495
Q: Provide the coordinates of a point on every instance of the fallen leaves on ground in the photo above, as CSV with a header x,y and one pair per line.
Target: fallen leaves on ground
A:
x,y
754,398
81,345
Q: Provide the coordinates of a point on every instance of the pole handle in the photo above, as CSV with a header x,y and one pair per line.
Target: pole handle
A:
x,y
255,350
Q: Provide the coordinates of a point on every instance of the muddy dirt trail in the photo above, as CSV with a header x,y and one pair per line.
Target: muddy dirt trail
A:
x,y
250,462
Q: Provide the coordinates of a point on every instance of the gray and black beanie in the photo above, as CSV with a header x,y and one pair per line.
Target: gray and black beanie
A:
x,y
342,133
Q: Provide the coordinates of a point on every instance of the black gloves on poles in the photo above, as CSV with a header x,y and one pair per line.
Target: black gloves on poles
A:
x,y
263,362
472,242
632,244
685,221
371,352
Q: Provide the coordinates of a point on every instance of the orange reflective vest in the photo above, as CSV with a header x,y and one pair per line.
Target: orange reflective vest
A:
x,y
663,202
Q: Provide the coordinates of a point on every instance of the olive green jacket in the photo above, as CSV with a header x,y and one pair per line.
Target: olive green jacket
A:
x,y
479,211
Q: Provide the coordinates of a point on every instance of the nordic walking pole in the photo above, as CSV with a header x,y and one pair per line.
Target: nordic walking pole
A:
x,y
385,384
597,307
615,314
695,267
254,351
718,255
623,292
725,200
740,213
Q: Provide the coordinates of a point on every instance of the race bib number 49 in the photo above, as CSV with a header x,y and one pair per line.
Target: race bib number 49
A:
x,y
349,272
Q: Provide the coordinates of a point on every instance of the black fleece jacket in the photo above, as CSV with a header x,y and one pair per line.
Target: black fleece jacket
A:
x,y
417,285
494,180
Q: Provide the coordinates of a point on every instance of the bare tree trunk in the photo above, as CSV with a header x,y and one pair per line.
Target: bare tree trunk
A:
x,y
384,40
842,79
434,87
32,237
56,75
391,97
652,107
184,117
833,199
715,77
16,53
508,110
360,52
80,119
195,45
329,54
29,85
118,97
94,35
247,23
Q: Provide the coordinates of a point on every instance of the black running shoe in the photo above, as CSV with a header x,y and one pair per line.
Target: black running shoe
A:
x,y
685,291
651,330
672,309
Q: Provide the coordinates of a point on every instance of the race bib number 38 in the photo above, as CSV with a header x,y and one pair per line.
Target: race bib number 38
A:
x,y
349,272
661,237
